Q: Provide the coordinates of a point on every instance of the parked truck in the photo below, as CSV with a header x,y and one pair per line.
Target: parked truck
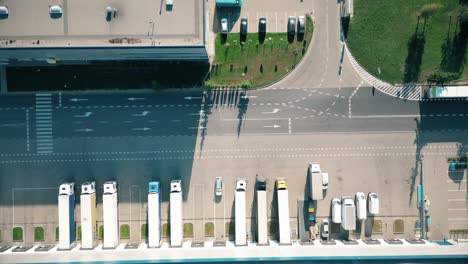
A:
x,y
88,215
154,215
348,213
240,213
283,211
66,208
316,179
110,215
262,213
176,213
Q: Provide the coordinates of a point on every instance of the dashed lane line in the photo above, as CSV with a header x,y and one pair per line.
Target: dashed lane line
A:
x,y
234,150
224,157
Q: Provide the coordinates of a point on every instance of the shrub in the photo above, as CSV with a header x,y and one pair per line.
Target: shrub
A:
x,y
17,234
429,9
124,231
246,84
144,228
38,233
209,84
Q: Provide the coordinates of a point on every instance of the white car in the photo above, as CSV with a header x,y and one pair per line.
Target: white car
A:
x,y
176,186
219,186
336,210
325,229
55,11
373,203
3,12
224,26
324,181
361,207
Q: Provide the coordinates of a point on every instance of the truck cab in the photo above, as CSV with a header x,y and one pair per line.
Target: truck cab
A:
x,y
314,167
241,185
280,184
176,186
153,187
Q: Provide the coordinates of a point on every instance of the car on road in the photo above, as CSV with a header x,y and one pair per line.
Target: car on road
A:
x,y
108,13
373,203
361,207
301,25
336,210
224,26
291,25
261,185
219,186
262,25
455,166
325,228
243,26
176,186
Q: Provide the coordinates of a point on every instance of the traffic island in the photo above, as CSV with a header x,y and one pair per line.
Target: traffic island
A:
x,y
256,61
44,248
22,248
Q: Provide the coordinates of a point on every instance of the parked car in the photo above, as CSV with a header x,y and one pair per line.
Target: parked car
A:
x,y
324,180
219,186
261,185
243,26
325,229
55,11
291,25
262,25
224,26
301,25
3,12
108,13
373,203
361,208
336,210
454,166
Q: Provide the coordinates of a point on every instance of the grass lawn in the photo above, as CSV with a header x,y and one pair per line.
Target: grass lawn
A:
x,y
39,233
78,232
124,231
101,232
261,62
57,234
144,228
188,230
387,35
165,230
209,229
17,233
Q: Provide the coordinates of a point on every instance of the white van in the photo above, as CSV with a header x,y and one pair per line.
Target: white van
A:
x,y
361,208
373,203
336,210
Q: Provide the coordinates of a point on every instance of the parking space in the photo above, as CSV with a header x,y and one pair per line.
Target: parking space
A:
x,y
457,200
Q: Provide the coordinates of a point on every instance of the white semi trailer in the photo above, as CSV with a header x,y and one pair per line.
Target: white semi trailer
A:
x,y
88,215
66,209
154,215
262,213
240,213
110,215
283,211
176,213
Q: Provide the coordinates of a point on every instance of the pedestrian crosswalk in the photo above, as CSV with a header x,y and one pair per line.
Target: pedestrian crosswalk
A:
x,y
44,136
405,91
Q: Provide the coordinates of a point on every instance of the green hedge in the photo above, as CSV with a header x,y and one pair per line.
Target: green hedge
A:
x,y
124,231
38,233
17,234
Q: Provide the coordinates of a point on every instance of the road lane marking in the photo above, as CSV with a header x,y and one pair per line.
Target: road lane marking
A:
x,y
27,131
461,190
459,209
458,219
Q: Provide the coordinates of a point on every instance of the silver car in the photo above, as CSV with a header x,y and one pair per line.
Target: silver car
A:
x,y
301,25
219,186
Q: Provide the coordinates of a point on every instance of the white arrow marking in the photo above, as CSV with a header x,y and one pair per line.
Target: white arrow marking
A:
x,y
199,113
272,112
135,98
87,114
190,98
200,127
141,128
274,126
84,130
248,96
144,113
77,99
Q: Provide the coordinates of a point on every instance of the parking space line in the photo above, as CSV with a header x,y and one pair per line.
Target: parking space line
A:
x,y
276,20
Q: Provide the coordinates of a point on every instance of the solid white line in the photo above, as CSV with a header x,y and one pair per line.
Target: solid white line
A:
x,y
254,119
464,209
384,116
458,219
35,188
461,190
27,130
457,200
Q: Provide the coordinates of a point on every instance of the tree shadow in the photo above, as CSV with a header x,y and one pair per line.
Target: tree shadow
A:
x,y
243,104
415,52
454,49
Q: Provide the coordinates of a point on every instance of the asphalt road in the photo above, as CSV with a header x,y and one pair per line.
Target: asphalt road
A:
x,y
365,140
